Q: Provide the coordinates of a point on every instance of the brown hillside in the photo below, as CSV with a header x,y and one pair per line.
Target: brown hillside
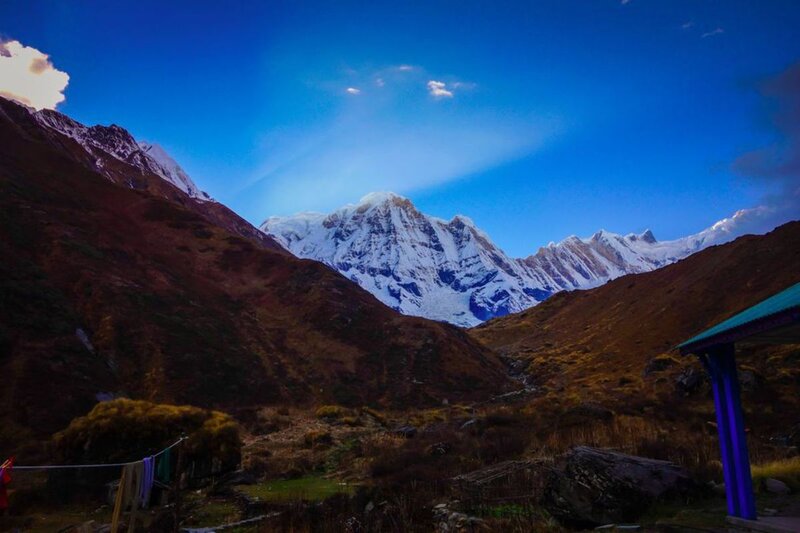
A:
x,y
610,344
177,309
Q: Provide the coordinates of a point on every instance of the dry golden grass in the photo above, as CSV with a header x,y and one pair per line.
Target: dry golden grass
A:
x,y
786,470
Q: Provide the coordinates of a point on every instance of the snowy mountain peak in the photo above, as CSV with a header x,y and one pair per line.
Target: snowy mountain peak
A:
x,y
118,143
171,171
451,270
375,198
647,236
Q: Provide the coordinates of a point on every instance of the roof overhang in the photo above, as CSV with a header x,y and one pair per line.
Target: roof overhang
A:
x,y
779,328
775,320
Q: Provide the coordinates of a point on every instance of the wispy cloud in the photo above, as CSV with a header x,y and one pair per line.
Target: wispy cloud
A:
x,y
437,89
405,68
353,90
349,158
623,2
28,76
397,137
712,33
687,25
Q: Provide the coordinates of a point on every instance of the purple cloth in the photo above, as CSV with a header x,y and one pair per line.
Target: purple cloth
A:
x,y
147,481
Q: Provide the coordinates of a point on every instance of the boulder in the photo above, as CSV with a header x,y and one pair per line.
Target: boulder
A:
x,y
595,486
750,380
406,431
690,380
776,486
659,364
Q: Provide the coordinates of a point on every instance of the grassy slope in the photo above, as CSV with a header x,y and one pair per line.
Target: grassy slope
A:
x,y
594,346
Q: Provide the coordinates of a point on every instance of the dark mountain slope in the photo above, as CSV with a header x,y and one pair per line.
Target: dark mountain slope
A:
x,y
110,290
651,312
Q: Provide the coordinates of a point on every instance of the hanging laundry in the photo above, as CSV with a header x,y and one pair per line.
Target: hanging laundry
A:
x,y
147,481
164,468
5,479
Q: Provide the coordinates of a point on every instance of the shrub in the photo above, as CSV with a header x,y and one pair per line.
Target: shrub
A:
x,y
332,411
317,437
351,421
125,430
368,411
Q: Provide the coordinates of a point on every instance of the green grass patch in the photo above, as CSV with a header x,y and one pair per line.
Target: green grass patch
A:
x,y
508,510
310,488
215,514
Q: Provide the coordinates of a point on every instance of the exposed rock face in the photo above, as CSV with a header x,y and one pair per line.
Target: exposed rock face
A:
x,y
600,486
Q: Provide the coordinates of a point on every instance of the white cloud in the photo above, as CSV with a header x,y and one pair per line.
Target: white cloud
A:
x,y
353,90
623,2
688,24
405,68
28,76
438,89
716,31
379,82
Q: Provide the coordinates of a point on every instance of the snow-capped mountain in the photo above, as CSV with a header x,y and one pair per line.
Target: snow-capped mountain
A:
x,y
450,270
417,264
102,141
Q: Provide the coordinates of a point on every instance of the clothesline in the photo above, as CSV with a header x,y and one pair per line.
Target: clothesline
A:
x,y
104,465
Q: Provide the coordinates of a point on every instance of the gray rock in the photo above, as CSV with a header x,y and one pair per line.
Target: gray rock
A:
x,y
469,423
448,520
406,431
594,486
718,488
658,364
690,380
750,380
776,486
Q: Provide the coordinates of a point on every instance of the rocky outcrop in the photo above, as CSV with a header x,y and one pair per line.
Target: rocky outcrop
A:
x,y
595,486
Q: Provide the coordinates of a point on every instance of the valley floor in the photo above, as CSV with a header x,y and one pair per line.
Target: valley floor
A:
x,y
340,469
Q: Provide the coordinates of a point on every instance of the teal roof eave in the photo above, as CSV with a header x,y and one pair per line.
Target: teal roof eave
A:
x,y
784,300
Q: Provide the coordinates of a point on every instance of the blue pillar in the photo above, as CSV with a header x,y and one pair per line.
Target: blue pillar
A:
x,y
721,366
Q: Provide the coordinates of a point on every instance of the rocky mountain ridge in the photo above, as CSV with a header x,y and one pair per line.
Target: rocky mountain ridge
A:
x,y
452,271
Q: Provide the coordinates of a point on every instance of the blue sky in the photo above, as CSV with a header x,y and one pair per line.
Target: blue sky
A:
x,y
554,118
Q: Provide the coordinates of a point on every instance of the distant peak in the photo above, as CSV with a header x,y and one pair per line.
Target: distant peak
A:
x,y
463,219
647,236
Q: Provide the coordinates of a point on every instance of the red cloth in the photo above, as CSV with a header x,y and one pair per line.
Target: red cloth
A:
x,y
5,479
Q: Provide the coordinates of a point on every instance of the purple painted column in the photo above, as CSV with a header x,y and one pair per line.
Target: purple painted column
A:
x,y
720,409
721,365
738,438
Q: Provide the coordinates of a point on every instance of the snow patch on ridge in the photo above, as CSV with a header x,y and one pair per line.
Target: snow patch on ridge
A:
x,y
120,144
